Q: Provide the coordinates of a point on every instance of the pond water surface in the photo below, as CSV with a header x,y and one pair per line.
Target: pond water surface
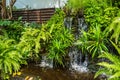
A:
x,y
32,72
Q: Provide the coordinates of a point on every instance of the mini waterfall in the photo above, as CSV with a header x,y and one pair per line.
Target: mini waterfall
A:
x,y
77,62
81,24
45,62
68,22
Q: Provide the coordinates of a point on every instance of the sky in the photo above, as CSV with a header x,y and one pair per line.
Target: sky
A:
x,y
37,4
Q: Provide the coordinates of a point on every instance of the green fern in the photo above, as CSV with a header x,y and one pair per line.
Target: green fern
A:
x,y
116,47
10,57
115,27
112,69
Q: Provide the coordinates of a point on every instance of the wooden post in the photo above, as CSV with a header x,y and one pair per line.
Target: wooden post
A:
x,y
27,11
40,17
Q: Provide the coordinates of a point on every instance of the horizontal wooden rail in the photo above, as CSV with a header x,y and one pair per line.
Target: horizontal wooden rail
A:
x,y
36,15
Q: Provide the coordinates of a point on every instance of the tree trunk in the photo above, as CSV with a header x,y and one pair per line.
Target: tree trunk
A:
x,y
12,2
6,13
3,9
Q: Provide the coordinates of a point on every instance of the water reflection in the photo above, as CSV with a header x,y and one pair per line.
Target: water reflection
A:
x,y
39,73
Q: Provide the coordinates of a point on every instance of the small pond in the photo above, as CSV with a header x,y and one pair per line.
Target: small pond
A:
x,y
33,72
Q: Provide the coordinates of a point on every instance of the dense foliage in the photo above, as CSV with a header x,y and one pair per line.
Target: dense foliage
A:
x,y
102,17
12,28
112,67
100,12
10,57
61,38
21,42
94,41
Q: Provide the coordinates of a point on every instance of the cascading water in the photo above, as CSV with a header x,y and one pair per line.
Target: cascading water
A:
x,y
76,58
46,62
81,24
68,22
77,62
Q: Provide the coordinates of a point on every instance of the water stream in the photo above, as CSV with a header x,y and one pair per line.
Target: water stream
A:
x,y
78,61
45,62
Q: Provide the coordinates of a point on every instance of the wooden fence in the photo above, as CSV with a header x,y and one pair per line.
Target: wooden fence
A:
x,y
36,15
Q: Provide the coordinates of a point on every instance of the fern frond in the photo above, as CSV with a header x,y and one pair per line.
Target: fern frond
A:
x,y
116,47
109,66
101,71
115,27
112,58
116,75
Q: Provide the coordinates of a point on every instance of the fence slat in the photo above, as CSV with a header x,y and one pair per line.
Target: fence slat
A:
x,y
36,15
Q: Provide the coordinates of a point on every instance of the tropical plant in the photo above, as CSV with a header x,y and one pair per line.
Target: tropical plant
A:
x,y
60,42
116,3
4,23
60,39
114,29
13,28
32,40
93,41
111,68
101,12
10,57
75,5
56,19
